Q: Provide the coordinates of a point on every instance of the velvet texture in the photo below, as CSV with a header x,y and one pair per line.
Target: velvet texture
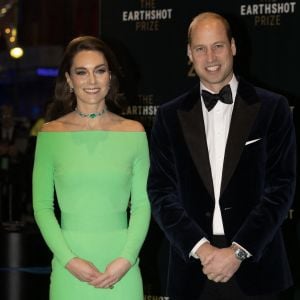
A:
x,y
257,188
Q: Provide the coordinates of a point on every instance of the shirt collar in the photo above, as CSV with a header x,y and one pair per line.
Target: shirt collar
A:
x,y
233,85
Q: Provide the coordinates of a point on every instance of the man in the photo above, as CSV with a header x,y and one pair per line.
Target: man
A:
x,y
222,177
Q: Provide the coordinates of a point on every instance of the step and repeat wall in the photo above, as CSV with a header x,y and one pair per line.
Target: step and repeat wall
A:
x,y
149,38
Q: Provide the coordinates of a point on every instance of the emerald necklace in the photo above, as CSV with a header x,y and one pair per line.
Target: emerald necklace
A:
x,y
91,115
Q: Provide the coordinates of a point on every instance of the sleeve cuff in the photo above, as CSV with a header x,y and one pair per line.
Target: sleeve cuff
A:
x,y
196,247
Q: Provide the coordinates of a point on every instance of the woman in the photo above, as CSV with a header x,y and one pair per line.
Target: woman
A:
x,y
97,161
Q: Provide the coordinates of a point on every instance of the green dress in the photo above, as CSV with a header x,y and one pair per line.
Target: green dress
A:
x,y
100,182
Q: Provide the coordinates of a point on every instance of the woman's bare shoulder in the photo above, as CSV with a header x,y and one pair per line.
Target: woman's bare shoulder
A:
x,y
131,125
52,126
55,125
123,124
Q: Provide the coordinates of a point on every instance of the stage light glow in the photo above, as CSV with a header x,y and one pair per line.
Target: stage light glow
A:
x,y
16,52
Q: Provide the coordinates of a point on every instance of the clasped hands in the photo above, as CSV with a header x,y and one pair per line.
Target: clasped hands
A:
x,y
86,271
218,264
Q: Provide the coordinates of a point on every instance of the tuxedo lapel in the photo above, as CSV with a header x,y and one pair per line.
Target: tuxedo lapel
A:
x,y
194,133
244,114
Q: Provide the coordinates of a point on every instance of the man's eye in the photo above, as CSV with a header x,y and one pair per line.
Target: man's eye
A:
x,y
218,46
200,49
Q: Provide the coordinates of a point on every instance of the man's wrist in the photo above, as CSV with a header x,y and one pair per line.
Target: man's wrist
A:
x,y
239,252
193,253
203,250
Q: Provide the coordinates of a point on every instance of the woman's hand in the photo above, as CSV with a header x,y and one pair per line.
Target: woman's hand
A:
x,y
82,269
113,273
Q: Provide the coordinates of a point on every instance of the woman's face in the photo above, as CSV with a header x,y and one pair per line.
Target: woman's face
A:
x,y
89,77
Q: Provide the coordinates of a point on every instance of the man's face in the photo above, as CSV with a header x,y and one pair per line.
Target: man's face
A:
x,y
212,53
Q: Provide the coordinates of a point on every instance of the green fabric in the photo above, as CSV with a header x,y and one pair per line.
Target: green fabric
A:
x,y
97,176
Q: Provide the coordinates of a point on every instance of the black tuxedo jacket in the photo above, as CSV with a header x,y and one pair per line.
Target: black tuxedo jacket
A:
x,y
257,189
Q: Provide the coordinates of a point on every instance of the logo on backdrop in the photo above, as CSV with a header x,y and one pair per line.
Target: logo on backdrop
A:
x,y
147,17
268,12
144,111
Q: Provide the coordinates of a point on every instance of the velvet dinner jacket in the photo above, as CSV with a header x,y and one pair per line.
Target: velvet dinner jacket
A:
x,y
257,189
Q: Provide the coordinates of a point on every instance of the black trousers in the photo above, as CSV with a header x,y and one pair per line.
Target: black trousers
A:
x,y
228,290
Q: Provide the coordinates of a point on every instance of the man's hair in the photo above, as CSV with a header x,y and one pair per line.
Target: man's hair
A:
x,y
212,15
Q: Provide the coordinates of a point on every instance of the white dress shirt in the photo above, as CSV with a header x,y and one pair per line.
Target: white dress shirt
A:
x,y
217,123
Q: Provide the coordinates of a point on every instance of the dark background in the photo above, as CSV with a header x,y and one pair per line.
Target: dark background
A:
x,y
152,54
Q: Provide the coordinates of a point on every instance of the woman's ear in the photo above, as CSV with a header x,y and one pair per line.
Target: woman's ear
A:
x,y
69,81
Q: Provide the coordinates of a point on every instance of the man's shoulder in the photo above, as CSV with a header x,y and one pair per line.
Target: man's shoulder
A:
x,y
258,93
268,94
182,101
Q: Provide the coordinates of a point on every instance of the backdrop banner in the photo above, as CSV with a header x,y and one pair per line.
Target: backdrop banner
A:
x,y
150,40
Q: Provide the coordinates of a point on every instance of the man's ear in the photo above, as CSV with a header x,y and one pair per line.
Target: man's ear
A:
x,y
189,52
233,47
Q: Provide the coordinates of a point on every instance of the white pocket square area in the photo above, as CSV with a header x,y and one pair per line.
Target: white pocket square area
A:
x,y
252,141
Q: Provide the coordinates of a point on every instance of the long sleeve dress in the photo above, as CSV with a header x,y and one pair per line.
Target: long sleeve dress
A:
x,y
100,181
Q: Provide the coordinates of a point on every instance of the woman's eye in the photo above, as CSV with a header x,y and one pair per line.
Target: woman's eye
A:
x,y
101,71
80,72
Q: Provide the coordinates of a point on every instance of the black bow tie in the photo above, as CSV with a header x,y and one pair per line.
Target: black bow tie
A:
x,y
210,100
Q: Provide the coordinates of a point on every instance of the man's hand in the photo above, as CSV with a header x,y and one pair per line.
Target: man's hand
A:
x,y
221,265
205,253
